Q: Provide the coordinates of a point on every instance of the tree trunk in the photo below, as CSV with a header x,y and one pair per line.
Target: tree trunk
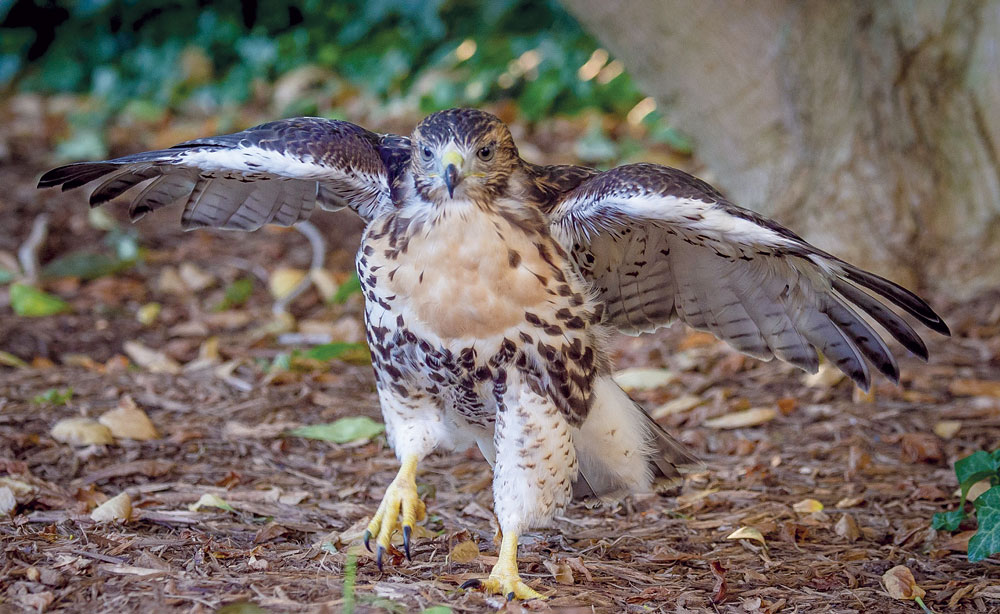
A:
x,y
871,128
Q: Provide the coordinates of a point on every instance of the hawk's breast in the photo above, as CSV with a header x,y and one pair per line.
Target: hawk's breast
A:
x,y
467,275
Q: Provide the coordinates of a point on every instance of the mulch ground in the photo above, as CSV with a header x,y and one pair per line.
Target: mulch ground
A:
x,y
873,461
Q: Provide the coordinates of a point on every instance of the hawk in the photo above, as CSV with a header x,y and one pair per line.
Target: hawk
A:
x,y
491,285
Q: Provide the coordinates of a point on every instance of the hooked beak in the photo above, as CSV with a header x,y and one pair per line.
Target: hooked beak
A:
x,y
452,176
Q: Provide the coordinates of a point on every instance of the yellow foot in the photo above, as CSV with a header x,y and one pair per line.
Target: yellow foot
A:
x,y
504,579
400,497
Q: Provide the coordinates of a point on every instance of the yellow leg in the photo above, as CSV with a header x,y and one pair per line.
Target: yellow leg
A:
x,y
504,579
400,497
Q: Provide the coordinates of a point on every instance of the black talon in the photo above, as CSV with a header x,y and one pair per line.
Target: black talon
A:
x,y
368,536
378,557
406,542
473,583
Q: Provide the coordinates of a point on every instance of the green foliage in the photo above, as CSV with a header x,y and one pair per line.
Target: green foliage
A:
x,y
241,607
343,430
144,59
346,289
236,294
349,352
350,573
970,470
29,301
55,396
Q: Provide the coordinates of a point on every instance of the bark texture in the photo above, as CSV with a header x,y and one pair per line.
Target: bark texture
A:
x,y
871,128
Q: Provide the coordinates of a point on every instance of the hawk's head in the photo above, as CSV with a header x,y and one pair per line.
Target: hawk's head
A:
x,y
462,154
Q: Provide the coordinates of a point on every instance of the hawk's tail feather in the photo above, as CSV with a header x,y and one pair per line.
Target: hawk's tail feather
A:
x,y
620,449
670,460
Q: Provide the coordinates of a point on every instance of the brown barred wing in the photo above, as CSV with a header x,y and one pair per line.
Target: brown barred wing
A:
x,y
274,173
659,245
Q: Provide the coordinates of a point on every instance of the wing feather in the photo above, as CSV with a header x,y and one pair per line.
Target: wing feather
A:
x,y
659,245
272,173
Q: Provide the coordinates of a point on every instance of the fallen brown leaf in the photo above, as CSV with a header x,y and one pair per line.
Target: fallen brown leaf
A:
x,y
899,583
81,432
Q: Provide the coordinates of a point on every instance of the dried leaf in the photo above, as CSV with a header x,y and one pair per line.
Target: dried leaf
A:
x,y
721,589
640,378
747,533
560,570
808,506
827,376
847,502
9,360
150,359
740,419
464,552
946,429
677,406
115,509
899,583
195,279
847,528
284,280
81,432
148,313
210,500
7,501
127,421
974,388
325,284
921,447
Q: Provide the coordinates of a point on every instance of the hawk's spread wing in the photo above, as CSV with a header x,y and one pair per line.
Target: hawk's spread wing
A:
x,y
271,174
659,244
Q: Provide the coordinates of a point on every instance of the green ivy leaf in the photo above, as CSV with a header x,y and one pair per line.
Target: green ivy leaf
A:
x,y
237,293
346,289
437,609
342,431
29,301
976,467
85,265
949,521
54,396
986,541
337,349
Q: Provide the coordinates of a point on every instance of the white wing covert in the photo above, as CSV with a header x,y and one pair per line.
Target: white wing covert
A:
x,y
270,174
659,245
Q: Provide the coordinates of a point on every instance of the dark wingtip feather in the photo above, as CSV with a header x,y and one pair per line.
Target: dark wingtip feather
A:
x,y
913,304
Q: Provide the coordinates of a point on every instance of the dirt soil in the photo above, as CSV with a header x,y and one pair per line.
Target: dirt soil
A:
x,y
223,414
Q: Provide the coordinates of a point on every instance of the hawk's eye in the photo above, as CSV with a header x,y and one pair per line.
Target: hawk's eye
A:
x,y
427,153
485,153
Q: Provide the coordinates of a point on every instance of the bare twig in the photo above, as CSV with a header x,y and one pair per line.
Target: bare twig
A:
x,y
27,254
318,244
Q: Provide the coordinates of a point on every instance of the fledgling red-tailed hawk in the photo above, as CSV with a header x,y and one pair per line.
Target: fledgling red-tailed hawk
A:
x,y
491,283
